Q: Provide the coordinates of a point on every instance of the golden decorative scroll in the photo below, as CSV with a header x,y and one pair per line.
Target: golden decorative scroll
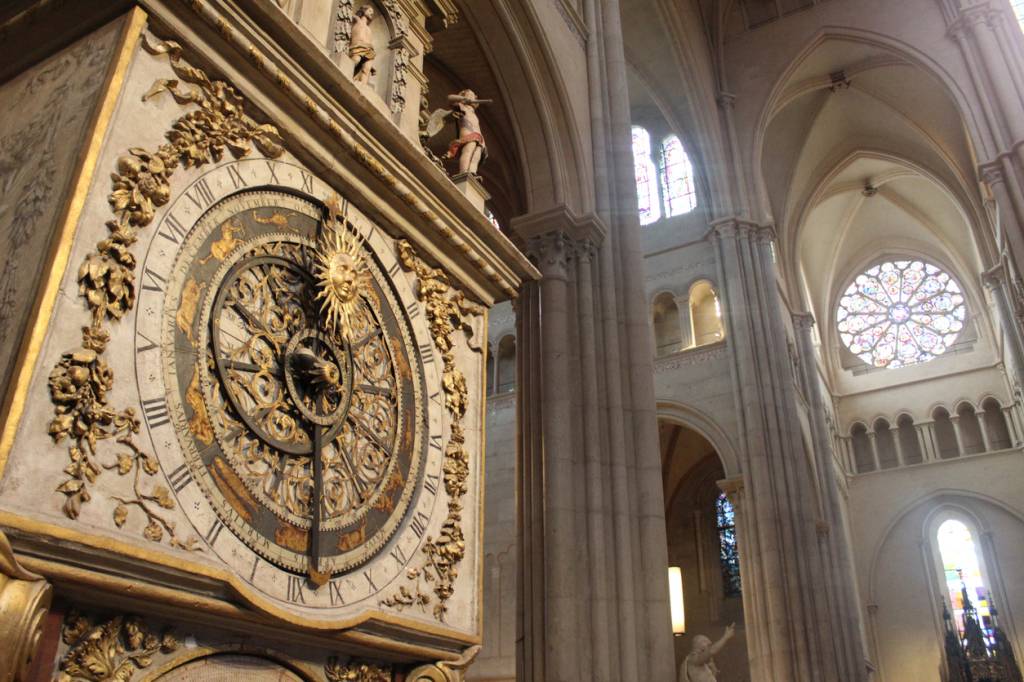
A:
x,y
24,601
112,651
356,671
445,671
446,309
81,379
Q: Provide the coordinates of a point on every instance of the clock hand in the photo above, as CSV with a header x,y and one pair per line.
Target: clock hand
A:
x,y
316,576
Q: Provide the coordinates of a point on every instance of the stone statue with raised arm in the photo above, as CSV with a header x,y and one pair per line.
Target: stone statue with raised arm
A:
x,y
469,146
699,665
360,46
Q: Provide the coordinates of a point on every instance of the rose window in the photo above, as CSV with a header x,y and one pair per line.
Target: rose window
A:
x,y
901,313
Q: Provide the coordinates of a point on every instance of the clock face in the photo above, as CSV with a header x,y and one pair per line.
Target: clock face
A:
x,y
292,409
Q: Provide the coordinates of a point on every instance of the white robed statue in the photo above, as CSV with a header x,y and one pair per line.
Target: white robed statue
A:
x,y
699,664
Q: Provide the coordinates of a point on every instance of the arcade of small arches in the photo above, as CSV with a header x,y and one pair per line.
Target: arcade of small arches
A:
x,y
948,433
690,320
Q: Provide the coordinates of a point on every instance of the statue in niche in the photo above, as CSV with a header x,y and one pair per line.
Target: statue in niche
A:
x,y
469,147
699,665
360,47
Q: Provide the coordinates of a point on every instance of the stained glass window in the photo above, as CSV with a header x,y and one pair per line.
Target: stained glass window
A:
x,y
677,188
901,313
725,518
962,570
646,182
1018,9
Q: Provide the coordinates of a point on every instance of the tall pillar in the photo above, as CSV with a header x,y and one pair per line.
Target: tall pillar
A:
x,y
983,33
549,521
581,496
845,610
795,606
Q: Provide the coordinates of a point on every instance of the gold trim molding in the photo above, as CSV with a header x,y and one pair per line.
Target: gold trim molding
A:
x,y
24,602
445,671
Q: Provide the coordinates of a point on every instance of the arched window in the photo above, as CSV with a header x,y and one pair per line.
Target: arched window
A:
x,y
900,313
646,177
677,190
507,364
863,457
668,335
970,430
910,446
995,423
886,445
1018,9
962,572
705,314
945,434
725,519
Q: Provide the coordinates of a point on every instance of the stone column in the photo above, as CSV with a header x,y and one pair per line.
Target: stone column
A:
x,y
955,419
873,440
922,440
929,450
550,593
24,602
996,70
996,281
845,610
581,496
796,610
685,321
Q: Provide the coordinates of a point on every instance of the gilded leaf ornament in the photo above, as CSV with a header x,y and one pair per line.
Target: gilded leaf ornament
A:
x,y
447,312
80,382
112,651
356,671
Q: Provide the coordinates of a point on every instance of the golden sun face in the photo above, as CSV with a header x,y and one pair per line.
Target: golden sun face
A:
x,y
341,272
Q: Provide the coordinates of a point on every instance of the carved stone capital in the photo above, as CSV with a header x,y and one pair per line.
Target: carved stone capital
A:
x,y
551,253
24,602
445,671
803,320
733,489
740,228
726,100
586,251
991,174
994,277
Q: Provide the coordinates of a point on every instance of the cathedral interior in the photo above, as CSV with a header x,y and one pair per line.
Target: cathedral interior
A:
x,y
494,340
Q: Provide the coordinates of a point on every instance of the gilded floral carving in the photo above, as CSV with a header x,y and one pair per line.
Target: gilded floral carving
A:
x,y
448,311
112,651
356,671
80,382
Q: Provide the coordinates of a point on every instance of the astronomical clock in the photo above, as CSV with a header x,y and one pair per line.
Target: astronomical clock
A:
x,y
244,355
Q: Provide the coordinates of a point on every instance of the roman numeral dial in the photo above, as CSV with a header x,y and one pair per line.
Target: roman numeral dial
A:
x,y
285,373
